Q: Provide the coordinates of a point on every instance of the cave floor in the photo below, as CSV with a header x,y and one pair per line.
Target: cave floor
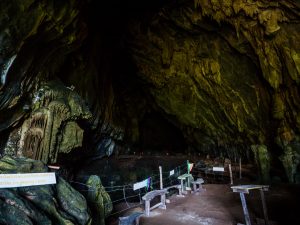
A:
x,y
209,207
218,205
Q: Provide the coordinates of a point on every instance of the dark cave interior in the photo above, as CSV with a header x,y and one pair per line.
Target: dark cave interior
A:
x,y
121,85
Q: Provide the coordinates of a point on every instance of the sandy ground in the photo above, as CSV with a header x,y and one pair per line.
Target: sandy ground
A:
x,y
218,205
207,208
215,206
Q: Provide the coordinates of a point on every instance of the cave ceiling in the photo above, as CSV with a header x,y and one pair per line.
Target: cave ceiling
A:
x,y
224,73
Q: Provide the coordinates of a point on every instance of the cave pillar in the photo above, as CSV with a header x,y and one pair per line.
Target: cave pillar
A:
x,y
290,160
262,159
98,200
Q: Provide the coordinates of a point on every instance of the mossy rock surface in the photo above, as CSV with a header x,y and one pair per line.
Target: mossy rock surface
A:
x,y
47,204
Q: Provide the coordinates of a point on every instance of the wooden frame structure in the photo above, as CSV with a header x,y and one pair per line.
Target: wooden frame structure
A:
x,y
244,189
150,196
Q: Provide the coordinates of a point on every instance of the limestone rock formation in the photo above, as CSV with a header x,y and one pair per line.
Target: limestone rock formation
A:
x,y
98,199
226,71
225,74
222,80
47,204
36,36
51,127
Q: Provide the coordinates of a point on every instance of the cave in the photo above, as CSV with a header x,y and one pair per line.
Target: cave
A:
x,y
103,94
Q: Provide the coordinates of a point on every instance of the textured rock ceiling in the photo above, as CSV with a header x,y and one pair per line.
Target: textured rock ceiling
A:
x,y
224,73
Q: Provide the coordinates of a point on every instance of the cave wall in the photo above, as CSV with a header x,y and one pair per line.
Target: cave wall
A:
x,y
56,91
224,73
36,37
227,72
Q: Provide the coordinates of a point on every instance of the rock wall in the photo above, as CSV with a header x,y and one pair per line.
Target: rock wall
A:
x,y
226,71
51,127
46,204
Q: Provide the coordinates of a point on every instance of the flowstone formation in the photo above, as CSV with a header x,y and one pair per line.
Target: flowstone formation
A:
x,y
291,160
52,126
227,72
58,204
39,115
262,159
98,199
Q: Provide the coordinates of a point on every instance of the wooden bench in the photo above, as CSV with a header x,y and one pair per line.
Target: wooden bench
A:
x,y
150,196
198,183
178,187
131,219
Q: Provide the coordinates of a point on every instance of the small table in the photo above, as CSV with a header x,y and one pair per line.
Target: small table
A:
x,y
185,178
242,189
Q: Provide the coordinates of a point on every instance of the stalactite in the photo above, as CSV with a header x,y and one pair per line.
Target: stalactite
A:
x,y
46,132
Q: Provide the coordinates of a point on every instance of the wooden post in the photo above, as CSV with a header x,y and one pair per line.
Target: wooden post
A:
x,y
162,197
230,173
160,178
262,195
188,169
240,163
246,213
181,184
124,195
147,207
140,196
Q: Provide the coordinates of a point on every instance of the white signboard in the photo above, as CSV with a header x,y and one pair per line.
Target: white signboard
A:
x,y
140,185
172,172
218,169
26,179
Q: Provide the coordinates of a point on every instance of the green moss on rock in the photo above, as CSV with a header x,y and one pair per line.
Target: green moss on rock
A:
x,y
46,204
262,159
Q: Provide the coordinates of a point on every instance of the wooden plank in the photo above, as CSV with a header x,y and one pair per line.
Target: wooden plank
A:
x,y
152,194
249,187
184,176
240,190
156,206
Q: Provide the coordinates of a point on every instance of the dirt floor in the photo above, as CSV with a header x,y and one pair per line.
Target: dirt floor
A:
x,y
218,205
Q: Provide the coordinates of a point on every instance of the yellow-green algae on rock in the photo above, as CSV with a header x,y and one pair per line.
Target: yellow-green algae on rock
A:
x,y
225,70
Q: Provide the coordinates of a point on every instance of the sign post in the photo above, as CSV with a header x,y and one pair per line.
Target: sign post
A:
x,y
230,173
162,197
160,178
188,166
240,165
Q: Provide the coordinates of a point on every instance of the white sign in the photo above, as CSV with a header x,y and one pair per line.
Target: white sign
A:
x,y
140,185
26,179
218,169
172,172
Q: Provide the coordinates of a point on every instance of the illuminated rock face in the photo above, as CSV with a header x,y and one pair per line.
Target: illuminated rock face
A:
x,y
224,73
51,128
227,71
